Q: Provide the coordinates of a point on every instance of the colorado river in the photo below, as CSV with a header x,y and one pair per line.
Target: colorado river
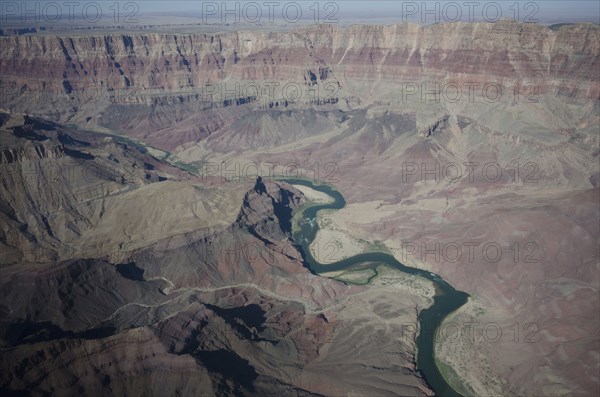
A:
x,y
446,300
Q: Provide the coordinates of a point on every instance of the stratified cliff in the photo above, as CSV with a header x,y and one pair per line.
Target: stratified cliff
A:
x,y
173,77
154,63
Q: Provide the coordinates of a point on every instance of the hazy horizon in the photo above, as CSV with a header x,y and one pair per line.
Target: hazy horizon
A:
x,y
30,13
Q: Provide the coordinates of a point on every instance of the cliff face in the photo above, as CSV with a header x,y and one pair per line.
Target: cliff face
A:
x,y
173,90
152,64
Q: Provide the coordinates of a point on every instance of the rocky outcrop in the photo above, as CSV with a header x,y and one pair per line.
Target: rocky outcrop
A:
x,y
208,343
266,200
37,152
435,127
53,184
232,312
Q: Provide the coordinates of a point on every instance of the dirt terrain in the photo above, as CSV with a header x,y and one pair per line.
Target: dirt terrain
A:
x,y
134,229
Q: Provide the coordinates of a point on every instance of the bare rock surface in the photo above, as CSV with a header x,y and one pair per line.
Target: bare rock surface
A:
x,y
136,237
221,309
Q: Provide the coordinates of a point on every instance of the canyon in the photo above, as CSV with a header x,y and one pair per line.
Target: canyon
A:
x,y
145,228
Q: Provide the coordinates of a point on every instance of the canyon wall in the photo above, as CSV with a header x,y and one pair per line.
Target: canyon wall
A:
x,y
139,67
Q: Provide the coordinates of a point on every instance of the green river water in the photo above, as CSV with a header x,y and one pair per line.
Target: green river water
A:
x,y
446,300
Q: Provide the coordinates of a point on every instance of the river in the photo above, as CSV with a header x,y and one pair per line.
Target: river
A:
x,y
446,300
